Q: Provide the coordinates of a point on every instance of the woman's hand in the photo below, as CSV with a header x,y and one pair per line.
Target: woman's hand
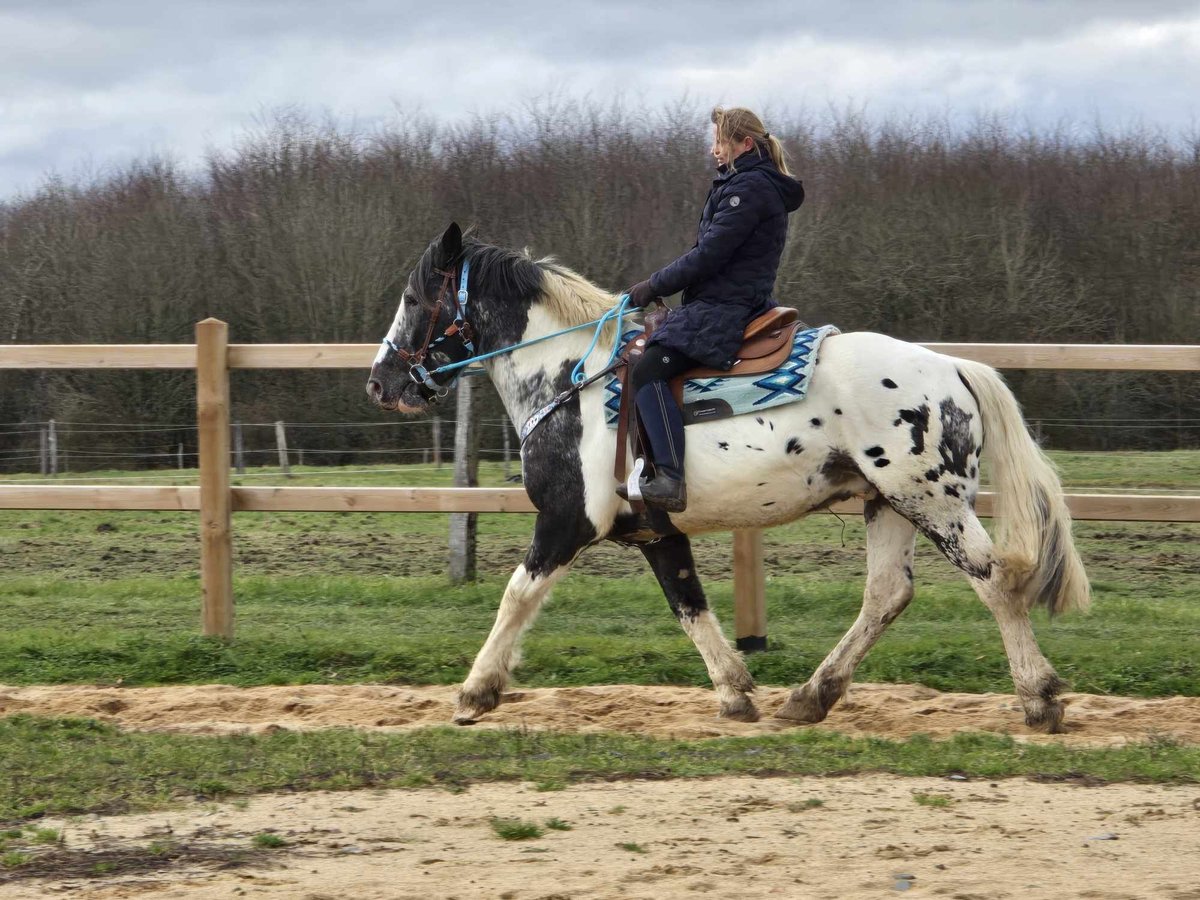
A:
x,y
640,295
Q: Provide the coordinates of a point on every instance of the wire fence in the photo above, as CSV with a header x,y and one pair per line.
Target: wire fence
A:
x,y
58,447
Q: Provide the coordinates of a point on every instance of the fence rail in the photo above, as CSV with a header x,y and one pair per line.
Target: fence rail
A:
x,y
1084,507
215,499
1105,357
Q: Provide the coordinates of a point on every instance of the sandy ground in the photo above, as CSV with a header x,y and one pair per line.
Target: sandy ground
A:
x,y
744,837
865,836
884,710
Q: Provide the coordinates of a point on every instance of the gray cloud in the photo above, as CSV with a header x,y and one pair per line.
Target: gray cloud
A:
x,y
90,82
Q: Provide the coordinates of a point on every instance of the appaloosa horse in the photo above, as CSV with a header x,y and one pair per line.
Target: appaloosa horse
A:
x,y
892,422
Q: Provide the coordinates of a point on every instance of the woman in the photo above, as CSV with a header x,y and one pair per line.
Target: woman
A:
x,y
727,279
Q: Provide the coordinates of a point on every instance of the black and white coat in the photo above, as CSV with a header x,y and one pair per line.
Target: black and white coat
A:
x,y
892,422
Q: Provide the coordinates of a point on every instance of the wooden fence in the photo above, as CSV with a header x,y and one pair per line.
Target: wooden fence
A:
x,y
215,499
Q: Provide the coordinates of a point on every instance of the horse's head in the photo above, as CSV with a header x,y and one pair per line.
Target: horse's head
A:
x,y
427,333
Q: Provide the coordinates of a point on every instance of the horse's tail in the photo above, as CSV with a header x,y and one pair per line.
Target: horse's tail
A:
x,y
1033,530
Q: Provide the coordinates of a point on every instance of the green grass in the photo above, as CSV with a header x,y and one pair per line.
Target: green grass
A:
x,y
632,847
517,830
74,766
268,841
596,630
101,597
939,801
558,825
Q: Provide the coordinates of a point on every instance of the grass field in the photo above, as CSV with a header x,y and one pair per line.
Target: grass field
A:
x,y
108,597
114,598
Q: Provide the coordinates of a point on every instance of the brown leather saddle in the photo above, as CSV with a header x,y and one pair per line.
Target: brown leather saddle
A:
x,y
766,346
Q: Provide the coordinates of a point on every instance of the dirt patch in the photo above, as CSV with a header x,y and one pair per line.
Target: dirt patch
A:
x,y
884,710
869,836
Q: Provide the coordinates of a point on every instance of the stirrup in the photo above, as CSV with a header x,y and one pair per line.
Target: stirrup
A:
x,y
631,488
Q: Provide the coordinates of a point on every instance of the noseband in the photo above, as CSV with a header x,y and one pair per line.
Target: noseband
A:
x,y
459,328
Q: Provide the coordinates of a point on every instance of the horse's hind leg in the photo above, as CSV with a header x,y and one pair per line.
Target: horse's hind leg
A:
x,y
671,560
1036,682
963,540
890,540
555,546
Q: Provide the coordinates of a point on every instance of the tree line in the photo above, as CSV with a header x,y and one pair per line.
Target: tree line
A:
x,y
305,230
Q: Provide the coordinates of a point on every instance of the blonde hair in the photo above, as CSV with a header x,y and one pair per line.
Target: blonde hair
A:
x,y
737,123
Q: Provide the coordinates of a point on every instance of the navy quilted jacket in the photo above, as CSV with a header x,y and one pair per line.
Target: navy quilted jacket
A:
x,y
728,277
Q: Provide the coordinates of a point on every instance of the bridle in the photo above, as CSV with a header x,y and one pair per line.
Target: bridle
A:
x,y
459,327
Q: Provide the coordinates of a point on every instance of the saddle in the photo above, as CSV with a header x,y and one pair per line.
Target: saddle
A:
x,y
765,347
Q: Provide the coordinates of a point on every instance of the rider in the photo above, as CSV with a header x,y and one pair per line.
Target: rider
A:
x,y
727,279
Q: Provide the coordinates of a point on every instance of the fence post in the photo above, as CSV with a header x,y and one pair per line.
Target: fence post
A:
x,y
179,457
435,428
239,449
281,443
43,458
52,446
463,526
506,427
749,591
212,414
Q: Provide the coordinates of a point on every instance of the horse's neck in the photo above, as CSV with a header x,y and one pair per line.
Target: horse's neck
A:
x,y
529,378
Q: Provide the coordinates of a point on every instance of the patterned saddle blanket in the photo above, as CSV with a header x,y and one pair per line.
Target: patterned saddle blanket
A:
x,y
705,399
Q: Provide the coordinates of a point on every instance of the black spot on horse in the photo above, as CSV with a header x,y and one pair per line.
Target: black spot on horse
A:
x,y
816,423
932,474
896,422
724,445
956,443
759,420
972,471
881,463
769,503
794,446
919,419
752,447
950,490
839,466
871,508
874,451
888,383
837,412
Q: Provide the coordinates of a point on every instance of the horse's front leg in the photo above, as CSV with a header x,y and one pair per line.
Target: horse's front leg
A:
x,y
890,540
555,545
671,560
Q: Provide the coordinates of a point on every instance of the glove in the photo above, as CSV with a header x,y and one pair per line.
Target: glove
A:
x,y
640,295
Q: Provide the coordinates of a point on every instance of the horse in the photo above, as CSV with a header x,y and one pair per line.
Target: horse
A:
x,y
897,424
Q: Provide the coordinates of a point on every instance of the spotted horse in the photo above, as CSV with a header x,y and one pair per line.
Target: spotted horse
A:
x,y
894,423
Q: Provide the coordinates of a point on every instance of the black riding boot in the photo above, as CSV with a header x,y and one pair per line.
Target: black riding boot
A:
x,y
663,422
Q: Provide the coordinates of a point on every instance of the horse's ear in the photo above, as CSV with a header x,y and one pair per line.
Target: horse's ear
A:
x,y
450,245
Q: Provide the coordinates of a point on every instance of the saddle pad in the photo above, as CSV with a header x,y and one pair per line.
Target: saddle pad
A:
x,y
705,399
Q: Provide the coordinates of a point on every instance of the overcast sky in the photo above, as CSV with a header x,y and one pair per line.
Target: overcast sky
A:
x,y
86,84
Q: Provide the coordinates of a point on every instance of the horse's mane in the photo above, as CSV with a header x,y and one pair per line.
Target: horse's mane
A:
x,y
515,274
570,296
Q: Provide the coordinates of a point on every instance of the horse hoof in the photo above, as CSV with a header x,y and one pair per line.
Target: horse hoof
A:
x,y
741,711
1046,717
803,709
470,706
